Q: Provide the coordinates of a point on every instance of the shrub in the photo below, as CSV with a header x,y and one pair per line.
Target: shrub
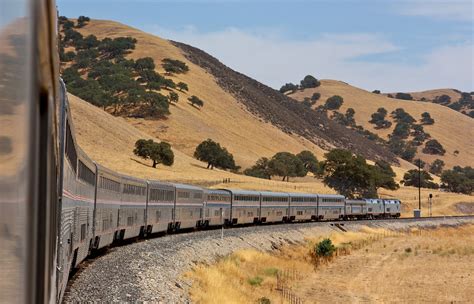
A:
x,y
458,179
400,115
271,272
182,86
426,119
411,178
315,97
334,102
194,100
173,97
173,66
376,91
288,87
82,20
309,82
401,130
443,99
404,96
433,147
255,281
437,167
325,248
378,118
264,300
260,169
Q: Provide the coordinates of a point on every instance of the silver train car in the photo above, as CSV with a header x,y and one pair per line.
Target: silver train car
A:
x,y
188,207
303,207
245,206
331,206
160,207
217,205
274,207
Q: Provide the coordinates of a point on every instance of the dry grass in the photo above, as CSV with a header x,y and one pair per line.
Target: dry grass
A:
x,y
452,129
433,265
222,118
432,94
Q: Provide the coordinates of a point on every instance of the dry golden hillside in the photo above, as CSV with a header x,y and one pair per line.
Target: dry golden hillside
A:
x,y
452,129
110,140
432,94
222,118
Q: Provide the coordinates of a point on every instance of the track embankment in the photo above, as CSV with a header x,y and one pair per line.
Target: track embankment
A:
x,y
152,270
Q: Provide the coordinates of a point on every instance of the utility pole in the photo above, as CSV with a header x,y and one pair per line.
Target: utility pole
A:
x,y
419,185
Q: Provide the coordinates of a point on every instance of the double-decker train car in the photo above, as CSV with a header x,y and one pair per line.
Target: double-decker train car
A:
x,y
131,219
274,207
217,205
330,206
303,207
107,207
160,207
245,206
355,209
188,206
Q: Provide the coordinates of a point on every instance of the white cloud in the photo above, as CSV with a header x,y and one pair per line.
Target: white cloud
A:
x,y
461,10
274,60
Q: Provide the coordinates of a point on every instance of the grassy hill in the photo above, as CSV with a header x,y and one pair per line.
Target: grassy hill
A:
x,y
452,129
251,120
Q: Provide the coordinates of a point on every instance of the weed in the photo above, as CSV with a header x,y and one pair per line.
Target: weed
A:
x,y
408,250
264,300
272,272
255,281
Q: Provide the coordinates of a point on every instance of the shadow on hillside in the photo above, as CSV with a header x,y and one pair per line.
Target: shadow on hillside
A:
x,y
200,166
141,163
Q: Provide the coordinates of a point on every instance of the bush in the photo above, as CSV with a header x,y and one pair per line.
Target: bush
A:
x,y
182,86
378,118
443,99
376,91
433,147
309,82
400,115
426,119
82,20
401,130
260,169
264,300
255,281
196,101
315,97
173,66
437,167
411,178
404,96
288,87
325,248
334,102
459,180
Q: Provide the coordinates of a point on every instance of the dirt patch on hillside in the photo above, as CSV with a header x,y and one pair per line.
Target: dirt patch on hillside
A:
x,y
284,112
465,207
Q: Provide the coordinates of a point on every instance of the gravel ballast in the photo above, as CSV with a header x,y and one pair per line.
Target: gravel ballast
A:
x,y
152,270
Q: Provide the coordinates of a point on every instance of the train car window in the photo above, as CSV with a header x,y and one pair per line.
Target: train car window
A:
x,y
85,174
70,148
133,189
109,184
183,194
197,195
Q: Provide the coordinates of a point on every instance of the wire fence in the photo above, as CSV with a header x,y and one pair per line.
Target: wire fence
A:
x,y
285,279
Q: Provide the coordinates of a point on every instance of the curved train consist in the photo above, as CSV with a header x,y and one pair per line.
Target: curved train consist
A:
x,y
100,206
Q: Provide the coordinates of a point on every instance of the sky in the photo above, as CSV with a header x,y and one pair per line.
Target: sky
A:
x,y
392,46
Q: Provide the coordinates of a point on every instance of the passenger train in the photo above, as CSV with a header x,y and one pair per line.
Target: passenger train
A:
x,y
58,205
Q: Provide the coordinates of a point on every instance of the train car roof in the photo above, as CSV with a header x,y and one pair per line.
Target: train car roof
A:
x,y
331,195
269,193
217,191
243,192
159,183
355,201
292,194
187,187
